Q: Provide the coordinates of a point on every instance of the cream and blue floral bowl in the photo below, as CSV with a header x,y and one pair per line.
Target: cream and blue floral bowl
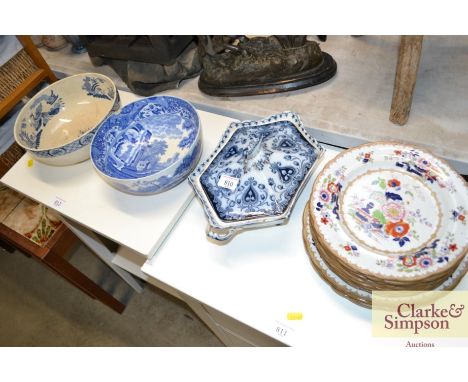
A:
x,y
57,125
150,146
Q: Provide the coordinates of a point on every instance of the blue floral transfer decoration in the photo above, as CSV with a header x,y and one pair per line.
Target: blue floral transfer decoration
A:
x,y
42,110
270,162
96,87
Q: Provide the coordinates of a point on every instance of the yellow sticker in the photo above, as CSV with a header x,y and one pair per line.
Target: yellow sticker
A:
x,y
30,163
294,316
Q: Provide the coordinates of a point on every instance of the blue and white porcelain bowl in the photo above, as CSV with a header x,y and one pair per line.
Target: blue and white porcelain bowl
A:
x,y
57,125
150,146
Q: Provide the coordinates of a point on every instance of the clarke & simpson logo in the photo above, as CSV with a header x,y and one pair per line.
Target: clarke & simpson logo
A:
x,y
409,317
419,314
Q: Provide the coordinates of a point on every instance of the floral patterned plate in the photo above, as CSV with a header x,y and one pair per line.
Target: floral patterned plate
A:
x,y
391,211
357,295
256,173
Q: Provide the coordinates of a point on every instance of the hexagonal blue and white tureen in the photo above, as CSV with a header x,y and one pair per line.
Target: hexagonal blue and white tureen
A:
x,y
57,125
150,146
255,175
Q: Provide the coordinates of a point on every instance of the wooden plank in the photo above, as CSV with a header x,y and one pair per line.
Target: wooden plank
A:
x,y
405,78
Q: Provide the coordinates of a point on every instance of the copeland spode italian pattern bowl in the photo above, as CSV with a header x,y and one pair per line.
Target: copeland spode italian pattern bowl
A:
x,y
150,146
255,175
57,125
359,295
391,211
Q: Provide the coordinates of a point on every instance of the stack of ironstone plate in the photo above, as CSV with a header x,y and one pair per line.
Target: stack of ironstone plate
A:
x,y
387,216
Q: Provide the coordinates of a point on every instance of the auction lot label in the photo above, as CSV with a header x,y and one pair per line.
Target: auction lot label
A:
x,y
420,314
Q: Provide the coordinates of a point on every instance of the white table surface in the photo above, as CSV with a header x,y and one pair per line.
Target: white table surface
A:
x,y
257,278
140,223
260,276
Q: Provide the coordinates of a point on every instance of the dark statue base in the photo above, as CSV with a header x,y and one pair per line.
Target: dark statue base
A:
x,y
242,66
311,77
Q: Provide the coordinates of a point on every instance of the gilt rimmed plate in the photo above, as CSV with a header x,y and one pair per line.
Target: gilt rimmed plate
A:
x,y
357,295
391,211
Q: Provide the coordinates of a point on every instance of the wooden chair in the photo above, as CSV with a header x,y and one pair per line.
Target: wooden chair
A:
x,y
21,74
26,225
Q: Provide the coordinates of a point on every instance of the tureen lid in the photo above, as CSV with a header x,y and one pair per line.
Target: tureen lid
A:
x,y
256,173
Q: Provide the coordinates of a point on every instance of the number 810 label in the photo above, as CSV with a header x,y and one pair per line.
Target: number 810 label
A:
x,y
229,182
